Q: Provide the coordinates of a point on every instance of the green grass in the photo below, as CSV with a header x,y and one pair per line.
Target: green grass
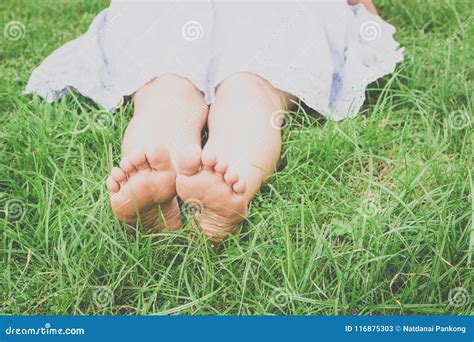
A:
x,y
371,215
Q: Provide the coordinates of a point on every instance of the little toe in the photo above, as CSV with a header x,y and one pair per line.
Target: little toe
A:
x,y
159,158
118,175
231,177
240,186
209,159
189,160
112,185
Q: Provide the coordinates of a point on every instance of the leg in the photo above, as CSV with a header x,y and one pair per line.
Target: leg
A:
x,y
242,151
170,113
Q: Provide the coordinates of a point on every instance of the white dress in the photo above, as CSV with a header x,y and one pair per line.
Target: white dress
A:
x,y
323,52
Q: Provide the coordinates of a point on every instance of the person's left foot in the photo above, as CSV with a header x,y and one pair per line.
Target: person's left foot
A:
x,y
205,181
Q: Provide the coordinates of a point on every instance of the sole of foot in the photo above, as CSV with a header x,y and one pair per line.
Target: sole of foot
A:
x,y
205,181
143,189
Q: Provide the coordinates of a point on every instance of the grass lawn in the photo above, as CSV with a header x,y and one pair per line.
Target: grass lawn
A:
x,y
372,215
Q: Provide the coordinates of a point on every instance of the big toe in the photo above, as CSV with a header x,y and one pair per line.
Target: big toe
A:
x,y
159,158
189,160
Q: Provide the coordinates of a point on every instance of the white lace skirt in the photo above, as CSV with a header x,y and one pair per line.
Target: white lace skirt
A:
x,y
323,52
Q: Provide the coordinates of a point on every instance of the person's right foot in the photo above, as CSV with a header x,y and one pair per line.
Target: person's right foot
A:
x,y
143,189
205,181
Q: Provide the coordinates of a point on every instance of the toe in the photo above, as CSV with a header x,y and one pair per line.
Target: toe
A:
x,y
126,165
240,186
231,177
139,160
118,175
112,185
189,160
221,167
209,159
159,158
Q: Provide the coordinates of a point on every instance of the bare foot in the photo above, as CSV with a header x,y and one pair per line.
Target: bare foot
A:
x,y
143,189
206,181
